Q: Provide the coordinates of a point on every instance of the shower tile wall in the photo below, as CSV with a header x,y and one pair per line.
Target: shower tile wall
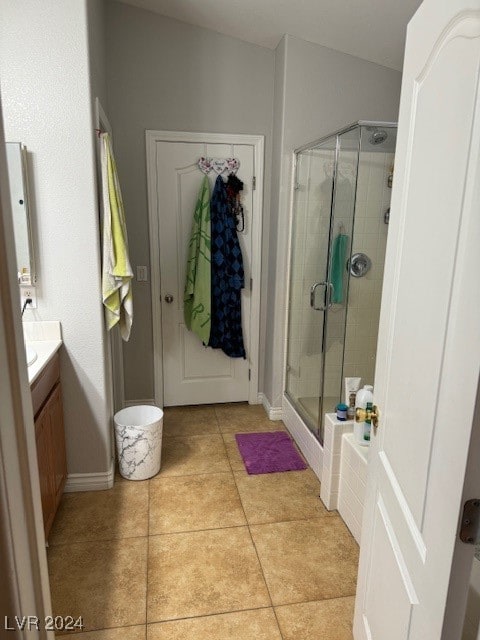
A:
x,y
369,237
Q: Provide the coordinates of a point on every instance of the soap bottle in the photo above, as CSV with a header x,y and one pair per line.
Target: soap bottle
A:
x,y
362,429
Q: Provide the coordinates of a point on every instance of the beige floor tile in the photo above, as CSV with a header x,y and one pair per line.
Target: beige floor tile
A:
x,y
274,497
241,625
120,512
229,410
188,410
247,425
196,454
307,560
203,572
190,421
122,633
102,581
234,457
190,503
209,574
328,619
242,417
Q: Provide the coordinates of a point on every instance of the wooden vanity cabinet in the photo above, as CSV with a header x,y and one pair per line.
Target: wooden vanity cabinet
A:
x,y
50,438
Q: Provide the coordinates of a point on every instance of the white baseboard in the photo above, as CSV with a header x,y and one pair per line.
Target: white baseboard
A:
x,y
274,413
306,441
90,481
132,403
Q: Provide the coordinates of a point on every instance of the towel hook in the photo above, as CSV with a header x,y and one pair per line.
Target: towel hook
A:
x,y
218,165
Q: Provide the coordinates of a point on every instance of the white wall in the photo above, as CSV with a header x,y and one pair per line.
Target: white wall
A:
x,y
321,91
168,75
46,96
97,53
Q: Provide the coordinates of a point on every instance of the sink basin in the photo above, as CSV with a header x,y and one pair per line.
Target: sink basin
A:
x,y
31,355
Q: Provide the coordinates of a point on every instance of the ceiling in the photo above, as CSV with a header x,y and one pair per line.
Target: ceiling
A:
x,y
370,29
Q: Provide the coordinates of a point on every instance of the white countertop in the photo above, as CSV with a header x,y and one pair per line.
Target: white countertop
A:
x,y
45,338
45,350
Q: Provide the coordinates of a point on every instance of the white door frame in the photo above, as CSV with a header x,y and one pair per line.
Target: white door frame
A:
x,y
152,137
24,587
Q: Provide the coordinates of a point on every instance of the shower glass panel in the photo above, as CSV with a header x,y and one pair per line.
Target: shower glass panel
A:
x,y
341,208
342,218
308,278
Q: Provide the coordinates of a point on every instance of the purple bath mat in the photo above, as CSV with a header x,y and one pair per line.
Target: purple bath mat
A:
x,y
268,452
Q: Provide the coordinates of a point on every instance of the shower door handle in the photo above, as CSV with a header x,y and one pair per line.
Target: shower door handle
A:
x,y
313,290
329,291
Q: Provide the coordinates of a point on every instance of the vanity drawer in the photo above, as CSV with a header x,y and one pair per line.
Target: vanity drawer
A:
x,y
45,383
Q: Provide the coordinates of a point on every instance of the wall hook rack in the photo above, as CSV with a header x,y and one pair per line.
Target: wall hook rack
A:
x,y
218,165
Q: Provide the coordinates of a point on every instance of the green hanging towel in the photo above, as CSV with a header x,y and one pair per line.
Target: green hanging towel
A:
x,y
198,282
339,254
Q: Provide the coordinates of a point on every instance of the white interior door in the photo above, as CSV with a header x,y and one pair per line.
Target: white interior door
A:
x,y
192,373
429,343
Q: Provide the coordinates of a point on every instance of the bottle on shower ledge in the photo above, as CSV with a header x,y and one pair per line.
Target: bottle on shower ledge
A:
x,y
351,387
352,401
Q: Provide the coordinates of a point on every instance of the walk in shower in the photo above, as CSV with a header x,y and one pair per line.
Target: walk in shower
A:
x,y
339,231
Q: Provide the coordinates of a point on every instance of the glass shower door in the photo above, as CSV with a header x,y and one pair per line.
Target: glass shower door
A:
x,y
341,233
341,183
309,288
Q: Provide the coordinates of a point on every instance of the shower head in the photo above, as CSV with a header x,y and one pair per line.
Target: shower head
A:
x,y
378,136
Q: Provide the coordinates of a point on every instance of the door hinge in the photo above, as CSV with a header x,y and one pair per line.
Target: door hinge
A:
x,y
249,374
470,527
251,284
254,183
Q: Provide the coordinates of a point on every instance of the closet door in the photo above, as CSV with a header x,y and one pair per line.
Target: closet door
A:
x,y
192,373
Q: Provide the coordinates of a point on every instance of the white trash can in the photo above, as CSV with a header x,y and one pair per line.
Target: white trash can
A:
x,y
138,434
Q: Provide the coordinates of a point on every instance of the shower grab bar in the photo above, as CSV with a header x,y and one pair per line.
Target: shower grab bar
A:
x,y
329,290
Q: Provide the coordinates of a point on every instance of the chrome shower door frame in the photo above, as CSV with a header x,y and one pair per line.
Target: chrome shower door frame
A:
x,y
337,136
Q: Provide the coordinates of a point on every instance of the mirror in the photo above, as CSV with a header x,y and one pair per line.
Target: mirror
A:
x,y
17,177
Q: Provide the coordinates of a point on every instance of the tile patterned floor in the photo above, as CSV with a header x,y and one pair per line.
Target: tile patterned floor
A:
x,y
203,550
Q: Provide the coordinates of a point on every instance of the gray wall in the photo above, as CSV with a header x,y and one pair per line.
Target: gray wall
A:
x,y
279,198
47,97
318,90
97,52
168,75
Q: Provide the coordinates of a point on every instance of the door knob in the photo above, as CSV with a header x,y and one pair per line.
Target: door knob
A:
x,y
368,415
169,298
